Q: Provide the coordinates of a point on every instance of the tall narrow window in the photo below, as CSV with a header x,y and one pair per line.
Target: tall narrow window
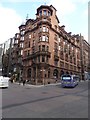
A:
x,y
43,38
40,38
39,47
49,14
40,13
40,29
34,34
29,36
38,58
22,38
43,47
55,37
47,30
47,59
29,44
47,39
47,49
33,43
21,52
45,12
43,58
44,28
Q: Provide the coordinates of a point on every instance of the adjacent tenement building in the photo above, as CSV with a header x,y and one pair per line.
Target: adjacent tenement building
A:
x,y
85,59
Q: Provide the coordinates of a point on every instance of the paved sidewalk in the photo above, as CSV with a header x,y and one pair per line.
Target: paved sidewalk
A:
x,y
36,86
30,85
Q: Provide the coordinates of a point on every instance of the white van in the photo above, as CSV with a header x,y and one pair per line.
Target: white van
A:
x,y
4,82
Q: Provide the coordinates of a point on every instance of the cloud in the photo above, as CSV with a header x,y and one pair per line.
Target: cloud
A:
x,y
86,12
63,6
69,11
15,1
9,22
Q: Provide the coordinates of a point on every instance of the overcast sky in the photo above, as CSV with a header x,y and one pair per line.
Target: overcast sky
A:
x,y
72,13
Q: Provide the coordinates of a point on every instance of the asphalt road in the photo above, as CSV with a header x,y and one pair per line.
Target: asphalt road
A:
x,y
45,102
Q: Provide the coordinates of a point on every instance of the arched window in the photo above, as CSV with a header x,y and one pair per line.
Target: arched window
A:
x,y
67,72
55,73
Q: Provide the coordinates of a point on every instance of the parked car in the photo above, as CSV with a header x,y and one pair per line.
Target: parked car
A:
x,y
4,82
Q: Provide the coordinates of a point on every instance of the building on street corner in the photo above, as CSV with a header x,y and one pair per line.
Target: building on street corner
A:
x,y
49,51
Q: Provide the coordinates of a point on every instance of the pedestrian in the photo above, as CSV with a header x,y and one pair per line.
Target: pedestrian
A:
x,y
24,82
19,82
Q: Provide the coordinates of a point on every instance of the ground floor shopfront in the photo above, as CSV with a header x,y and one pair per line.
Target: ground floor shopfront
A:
x,y
45,73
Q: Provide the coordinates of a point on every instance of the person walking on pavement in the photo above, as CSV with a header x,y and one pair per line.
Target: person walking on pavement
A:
x,y
24,82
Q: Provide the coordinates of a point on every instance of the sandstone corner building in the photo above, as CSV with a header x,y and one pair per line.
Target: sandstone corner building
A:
x,y
49,51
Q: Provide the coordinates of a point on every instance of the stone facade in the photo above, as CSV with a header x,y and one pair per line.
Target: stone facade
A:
x,y
49,51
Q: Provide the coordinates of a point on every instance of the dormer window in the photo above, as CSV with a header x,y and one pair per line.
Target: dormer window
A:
x,y
40,13
45,12
49,14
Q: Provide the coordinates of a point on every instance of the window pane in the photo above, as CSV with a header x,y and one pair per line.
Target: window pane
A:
x,y
40,13
43,58
47,38
29,36
44,29
43,38
21,52
47,48
39,47
40,29
47,29
38,58
40,39
43,47
45,12
49,14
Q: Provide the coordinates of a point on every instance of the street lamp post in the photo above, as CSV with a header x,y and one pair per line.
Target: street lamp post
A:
x,y
43,76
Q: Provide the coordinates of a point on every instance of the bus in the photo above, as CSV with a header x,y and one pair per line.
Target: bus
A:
x,y
69,80
4,82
